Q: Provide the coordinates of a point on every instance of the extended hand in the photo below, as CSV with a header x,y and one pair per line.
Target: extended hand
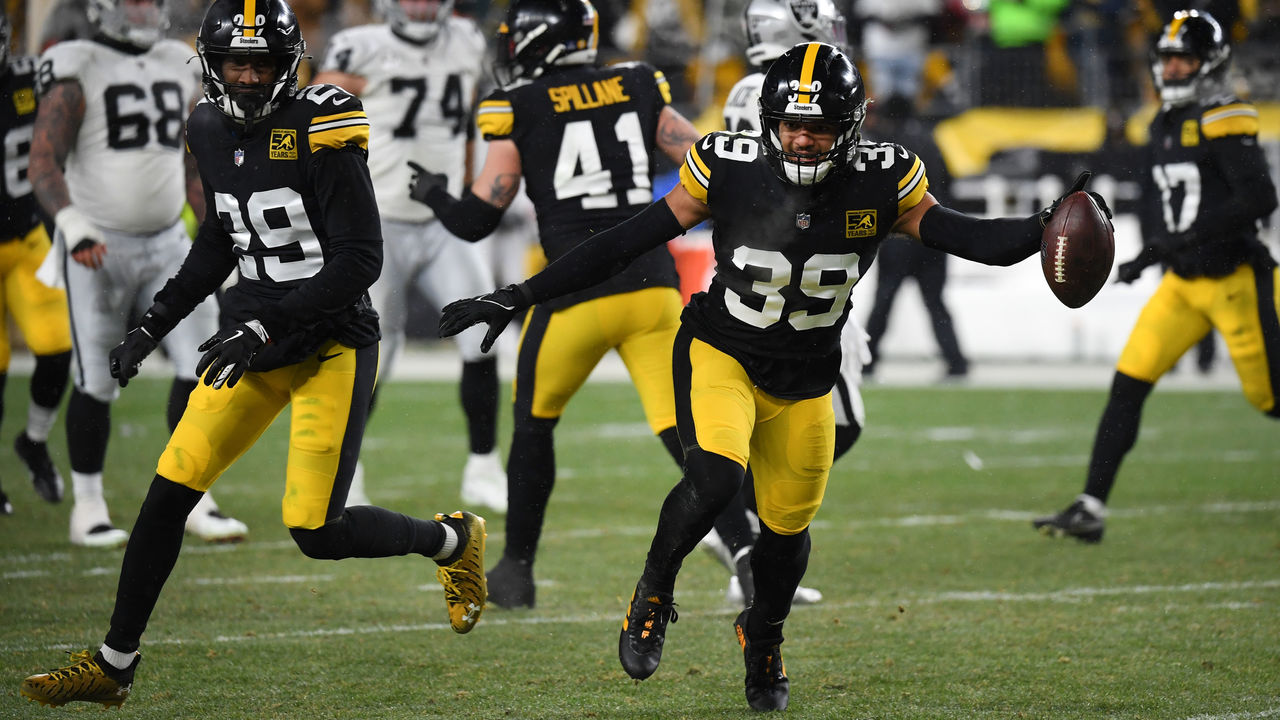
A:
x,y
424,181
1127,272
82,237
495,308
1081,180
228,353
127,357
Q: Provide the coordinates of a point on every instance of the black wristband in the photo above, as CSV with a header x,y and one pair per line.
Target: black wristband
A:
x,y
157,321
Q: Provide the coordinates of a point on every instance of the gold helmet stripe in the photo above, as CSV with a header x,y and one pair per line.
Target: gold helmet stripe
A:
x,y
1175,25
250,18
806,70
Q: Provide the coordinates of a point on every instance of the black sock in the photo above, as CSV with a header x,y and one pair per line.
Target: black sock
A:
x,y
531,476
88,429
478,391
49,379
710,482
778,563
367,531
1117,432
148,559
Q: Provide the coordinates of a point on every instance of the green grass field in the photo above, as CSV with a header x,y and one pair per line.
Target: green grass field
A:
x,y
941,602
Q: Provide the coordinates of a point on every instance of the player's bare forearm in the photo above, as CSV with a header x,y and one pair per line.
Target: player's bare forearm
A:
x,y
501,189
56,128
675,134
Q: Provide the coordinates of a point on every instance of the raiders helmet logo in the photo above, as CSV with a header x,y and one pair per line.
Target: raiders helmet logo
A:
x,y
805,13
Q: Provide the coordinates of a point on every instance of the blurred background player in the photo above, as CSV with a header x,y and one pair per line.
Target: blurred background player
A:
x,y
584,139
1210,185
416,74
901,258
39,311
773,27
107,163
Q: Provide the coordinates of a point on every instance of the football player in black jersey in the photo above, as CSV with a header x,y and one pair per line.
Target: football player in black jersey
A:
x,y
1209,187
583,138
39,311
799,210
291,205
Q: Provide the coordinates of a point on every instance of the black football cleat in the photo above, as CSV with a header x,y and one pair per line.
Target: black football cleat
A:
x,y
1076,521
766,681
511,584
44,476
644,629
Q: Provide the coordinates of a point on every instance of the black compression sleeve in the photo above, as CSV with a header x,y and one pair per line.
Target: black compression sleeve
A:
x,y
997,241
605,254
470,218
207,265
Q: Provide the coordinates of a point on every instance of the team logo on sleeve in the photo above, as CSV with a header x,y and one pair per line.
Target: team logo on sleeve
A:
x,y
24,101
859,223
284,144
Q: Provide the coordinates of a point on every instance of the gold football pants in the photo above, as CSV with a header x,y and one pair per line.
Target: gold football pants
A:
x,y
789,443
328,394
39,310
559,349
1241,306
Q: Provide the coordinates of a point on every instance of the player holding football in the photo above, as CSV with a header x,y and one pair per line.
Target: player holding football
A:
x,y
416,74
583,138
1209,187
107,163
291,205
798,212
772,27
39,311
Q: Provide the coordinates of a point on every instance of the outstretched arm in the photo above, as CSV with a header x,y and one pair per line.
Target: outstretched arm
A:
x,y
591,262
480,210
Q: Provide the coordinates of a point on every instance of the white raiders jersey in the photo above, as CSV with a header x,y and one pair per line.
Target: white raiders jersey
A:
x,y
126,171
419,99
742,106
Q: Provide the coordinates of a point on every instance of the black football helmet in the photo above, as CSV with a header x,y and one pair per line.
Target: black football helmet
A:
x,y
272,32
812,81
138,24
1197,34
539,34
773,26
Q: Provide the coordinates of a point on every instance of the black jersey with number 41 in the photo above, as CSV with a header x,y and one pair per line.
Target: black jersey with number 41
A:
x,y
787,256
586,137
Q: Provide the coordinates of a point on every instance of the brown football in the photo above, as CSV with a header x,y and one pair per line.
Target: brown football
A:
x,y
1077,248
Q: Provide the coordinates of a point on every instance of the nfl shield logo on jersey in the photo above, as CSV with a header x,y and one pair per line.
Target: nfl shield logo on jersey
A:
x,y
802,221
239,156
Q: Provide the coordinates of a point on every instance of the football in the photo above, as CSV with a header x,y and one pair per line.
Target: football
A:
x,y
1077,248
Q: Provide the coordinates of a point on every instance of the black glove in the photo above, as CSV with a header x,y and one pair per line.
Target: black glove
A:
x,y
127,357
496,308
228,353
1081,180
424,181
1127,272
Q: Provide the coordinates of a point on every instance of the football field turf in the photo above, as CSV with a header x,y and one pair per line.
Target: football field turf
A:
x,y
941,602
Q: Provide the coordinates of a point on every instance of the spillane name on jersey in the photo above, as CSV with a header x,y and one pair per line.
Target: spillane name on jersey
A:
x,y
276,209
17,119
787,257
126,170
1188,180
420,97
586,137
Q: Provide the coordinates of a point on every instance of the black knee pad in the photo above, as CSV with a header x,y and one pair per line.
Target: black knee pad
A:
x,y
331,541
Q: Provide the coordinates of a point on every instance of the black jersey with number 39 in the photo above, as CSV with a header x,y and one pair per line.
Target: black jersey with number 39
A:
x,y
586,137
17,119
285,197
787,257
